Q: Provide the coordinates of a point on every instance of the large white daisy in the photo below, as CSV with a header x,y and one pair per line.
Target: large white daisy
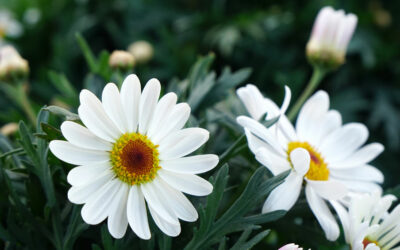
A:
x,y
132,152
368,224
328,157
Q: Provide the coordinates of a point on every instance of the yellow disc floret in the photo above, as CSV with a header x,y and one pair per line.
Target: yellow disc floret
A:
x,y
318,170
134,159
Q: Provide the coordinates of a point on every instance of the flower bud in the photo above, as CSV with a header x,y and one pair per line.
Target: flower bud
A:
x,y
120,59
12,65
9,128
8,25
330,37
142,51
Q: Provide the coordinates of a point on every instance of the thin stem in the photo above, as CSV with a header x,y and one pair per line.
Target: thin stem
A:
x,y
25,104
225,156
316,78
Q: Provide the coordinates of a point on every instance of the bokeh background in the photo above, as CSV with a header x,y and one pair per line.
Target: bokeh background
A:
x,y
267,36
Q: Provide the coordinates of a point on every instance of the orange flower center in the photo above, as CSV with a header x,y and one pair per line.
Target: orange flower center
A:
x,y
318,170
135,159
367,241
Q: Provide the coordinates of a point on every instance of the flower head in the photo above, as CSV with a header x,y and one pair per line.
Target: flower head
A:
x,y
368,224
291,246
132,152
142,51
122,60
8,25
12,65
320,152
330,36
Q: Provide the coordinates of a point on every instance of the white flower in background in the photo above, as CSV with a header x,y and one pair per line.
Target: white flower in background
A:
x,y
291,246
132,152
8,25
321,152
331,34
120,59
142,51
11,63
32,16
368,224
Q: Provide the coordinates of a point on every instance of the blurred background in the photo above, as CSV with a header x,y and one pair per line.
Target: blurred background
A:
x,y
267,36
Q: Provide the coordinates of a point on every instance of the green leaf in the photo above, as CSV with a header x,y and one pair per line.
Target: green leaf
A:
x,y
87,52
49,132
62,84
199,70
67,115
243,244
199,93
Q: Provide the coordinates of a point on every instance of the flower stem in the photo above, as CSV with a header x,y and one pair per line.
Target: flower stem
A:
x,y
25,104
316,78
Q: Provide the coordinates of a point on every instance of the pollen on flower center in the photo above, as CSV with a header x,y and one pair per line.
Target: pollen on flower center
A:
x,y
134,159
318,170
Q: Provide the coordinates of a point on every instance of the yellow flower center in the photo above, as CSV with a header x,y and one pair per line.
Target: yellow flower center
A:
x,y
134,159
318,170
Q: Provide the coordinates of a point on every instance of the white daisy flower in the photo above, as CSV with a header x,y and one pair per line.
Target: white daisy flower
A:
x,y
367,224
291,246
132,154
8,25
328,157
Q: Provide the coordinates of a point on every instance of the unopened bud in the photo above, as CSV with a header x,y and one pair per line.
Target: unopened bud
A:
x,y
142,51
331,34
9,128
120,59
12,65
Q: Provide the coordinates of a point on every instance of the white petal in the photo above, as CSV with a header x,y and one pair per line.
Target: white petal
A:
x,y
148,102
113,107
344,219
310,115
81,194
323,214
82,175
342,142
80,136
163,109
286,100
177,201
275,163
75,155
331,121
361,186
330,189
300,159
360,157
182,142
94,117
285,195
137,214
253,100
158,202
260,131
173,122
192,164
117,220
130,98
362,173
97,207
187,183
168,228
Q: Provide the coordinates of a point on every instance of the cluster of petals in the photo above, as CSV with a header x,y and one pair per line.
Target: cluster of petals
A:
x,y
95,184
291,246
339,147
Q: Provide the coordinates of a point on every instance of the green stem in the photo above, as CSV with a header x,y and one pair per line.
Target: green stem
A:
x,y
25,104
316,78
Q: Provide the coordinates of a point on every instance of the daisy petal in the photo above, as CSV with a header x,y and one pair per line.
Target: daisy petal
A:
x,y
360,157
166,227
148,102
323,214
361,186
80,136
82,175
75,155
97,207
362,173
187,183
117,220
331,121
274,163
300,159
81,194
344,218
253,100
113,107
182,142
130,98
137,214
191,165
329,190
95,118
163,108
285,195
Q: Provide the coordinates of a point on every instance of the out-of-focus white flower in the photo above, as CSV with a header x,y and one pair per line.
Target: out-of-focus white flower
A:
x,y
12,64
368,224
9,128
291,246
142,51
331,34
132,156
321,152
32,16
8,25
120,59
